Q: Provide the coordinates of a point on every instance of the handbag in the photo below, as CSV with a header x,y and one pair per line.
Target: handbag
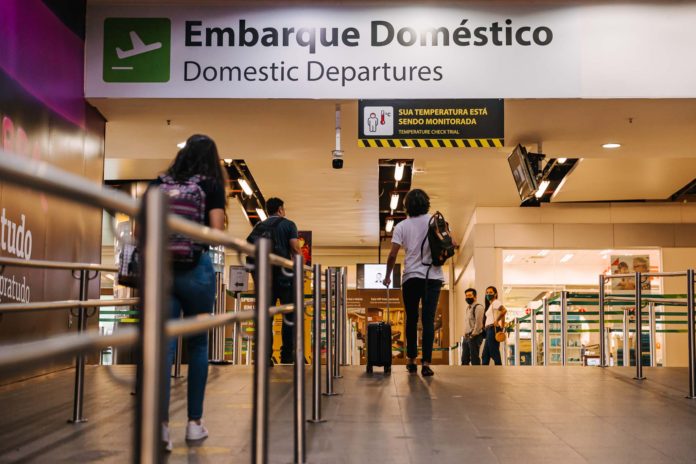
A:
x,y
500,334
129,266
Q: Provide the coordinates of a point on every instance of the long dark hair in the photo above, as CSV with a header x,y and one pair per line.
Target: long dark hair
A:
x,y
199,156
488,303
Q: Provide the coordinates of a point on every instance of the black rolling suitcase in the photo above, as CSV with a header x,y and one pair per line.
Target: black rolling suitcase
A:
x,y
379,349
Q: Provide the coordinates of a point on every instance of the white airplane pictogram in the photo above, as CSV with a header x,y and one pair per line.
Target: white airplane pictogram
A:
x,y
139,47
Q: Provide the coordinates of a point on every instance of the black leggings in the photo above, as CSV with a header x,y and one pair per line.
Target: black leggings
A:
x,y
414,290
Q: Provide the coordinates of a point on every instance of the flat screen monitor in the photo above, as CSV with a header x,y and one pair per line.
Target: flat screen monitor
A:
x,y
370,276
523,173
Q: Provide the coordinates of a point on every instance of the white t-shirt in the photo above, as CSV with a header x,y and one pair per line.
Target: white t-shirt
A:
x,y
492,311
409,234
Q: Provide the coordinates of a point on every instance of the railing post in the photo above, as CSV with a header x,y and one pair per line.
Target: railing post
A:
x,y
651,321
316,347
79,391
692,342
564,326
547,338
337,324
299,380
155,301
329,334
344,316
639,330
177,358
535,348
262,332
602,339
460,351
626,345
518,356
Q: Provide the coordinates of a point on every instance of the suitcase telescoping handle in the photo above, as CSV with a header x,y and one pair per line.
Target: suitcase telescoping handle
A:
x,y
388,304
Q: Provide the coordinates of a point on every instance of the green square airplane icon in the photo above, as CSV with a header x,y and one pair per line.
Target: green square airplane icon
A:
x,y
137,49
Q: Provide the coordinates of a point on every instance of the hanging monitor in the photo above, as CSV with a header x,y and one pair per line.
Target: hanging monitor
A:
x,y
370,276
523,173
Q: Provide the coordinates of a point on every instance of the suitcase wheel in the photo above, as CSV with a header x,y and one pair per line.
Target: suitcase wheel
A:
x,y
369,369
387,369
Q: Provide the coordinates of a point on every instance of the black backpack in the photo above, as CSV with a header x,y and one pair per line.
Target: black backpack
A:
x,y
439,239
267,229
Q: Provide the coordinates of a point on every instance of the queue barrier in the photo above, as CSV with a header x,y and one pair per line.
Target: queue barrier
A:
x,y
153,331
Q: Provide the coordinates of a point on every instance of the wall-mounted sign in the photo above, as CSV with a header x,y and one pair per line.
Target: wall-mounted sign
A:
x,y
430,123
170,50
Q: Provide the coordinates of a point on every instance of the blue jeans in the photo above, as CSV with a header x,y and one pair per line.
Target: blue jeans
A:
x,y
193,292
491,349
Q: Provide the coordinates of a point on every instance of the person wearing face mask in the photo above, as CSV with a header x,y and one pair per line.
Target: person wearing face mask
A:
x,y
473,329
494,318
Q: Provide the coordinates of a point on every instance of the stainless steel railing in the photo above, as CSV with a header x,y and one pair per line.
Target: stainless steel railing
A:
x,y
153,331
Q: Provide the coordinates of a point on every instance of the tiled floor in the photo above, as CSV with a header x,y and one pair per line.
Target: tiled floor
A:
x,y
462,414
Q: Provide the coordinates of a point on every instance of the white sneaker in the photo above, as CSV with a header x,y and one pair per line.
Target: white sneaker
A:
x,y
166,442
195,431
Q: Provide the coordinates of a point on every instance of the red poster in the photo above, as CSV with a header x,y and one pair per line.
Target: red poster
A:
x,y
305,239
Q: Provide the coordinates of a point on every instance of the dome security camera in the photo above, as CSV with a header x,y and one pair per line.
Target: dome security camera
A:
x,y
337,161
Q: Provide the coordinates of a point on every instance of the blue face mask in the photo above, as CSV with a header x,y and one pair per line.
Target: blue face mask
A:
x,y
490,297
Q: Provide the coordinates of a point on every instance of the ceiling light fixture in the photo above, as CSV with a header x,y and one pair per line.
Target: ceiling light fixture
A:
x,y
261,213
245,186
561,160
394,201
567,257
228,161
509,258
389,226
181,144
611,145
543,253
399,171
542,188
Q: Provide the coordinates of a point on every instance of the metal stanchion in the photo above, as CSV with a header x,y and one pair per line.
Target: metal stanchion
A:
x,y
692,342
547,338
177,358
329,334
316,348
602,340
607,334
263,270
564,324
460,350
626,347
155,301
237,333
337,324
535,348
217,353
639,330
79,391
518,357
344,316
651,321
299,377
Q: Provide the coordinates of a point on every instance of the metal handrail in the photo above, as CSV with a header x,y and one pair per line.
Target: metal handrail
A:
x,y
65,304
17,262
644,298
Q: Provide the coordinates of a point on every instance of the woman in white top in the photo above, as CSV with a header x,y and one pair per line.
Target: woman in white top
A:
x,y
494,318
421,283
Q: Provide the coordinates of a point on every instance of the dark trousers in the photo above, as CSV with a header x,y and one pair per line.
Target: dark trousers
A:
x,y
470,350
491,350
414,292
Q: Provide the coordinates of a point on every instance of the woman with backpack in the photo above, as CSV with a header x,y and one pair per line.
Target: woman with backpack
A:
x,y
494,323
195,184
420,281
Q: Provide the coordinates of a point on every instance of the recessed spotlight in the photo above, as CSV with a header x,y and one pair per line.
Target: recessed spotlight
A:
x,y
611,145
542,189
181,144
567,257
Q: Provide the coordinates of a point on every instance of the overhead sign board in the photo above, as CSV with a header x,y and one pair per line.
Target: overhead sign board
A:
x,y
490,51
430,123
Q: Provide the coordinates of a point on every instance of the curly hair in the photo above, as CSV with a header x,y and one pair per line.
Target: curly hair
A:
x,y
417,202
